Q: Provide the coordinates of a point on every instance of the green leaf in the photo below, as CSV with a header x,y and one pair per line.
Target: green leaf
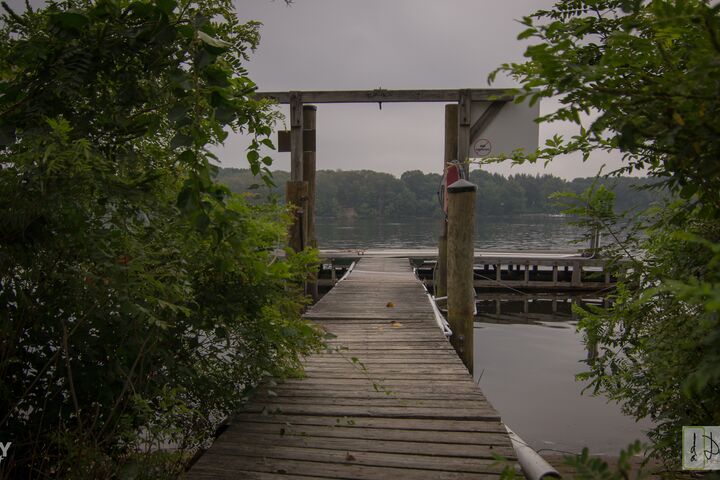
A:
x,y
181,140
167,6
186,31
253,156
213,42
129,471
188,157
203,58
202,221
70,20
526,33
177,112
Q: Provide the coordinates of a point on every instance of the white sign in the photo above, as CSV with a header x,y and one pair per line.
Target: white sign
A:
x,y
511,128
481,148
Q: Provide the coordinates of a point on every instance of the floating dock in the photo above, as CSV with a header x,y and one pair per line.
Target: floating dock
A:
x,y
390,400
503,270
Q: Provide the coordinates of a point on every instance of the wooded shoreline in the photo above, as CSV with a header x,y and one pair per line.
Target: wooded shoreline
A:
x,y
370,194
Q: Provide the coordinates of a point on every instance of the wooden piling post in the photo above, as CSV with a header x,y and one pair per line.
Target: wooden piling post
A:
x,y
576,279
309,113
296,193
441,267
451,129
460,253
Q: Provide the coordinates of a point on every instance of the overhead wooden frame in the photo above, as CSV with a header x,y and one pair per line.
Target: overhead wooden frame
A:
x,y
300,139
380,95
464,97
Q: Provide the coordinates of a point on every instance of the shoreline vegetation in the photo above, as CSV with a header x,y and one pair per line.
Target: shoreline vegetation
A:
x,y
140,301
348,194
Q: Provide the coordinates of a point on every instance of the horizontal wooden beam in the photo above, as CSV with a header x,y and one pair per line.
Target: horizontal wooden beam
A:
x,y
382,96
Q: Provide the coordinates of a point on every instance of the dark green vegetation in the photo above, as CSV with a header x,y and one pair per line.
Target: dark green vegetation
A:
x,y
652,71
138,298
368,194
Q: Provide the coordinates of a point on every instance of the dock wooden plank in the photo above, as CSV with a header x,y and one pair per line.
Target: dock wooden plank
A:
x,y
388,399
278,451
301,438
233,467
434,425
454,439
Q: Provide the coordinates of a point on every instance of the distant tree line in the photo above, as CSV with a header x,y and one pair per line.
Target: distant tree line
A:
x,y
365,193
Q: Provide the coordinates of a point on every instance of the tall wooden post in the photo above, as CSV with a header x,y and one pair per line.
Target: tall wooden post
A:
x,y
460,252
309,169
308,172
296,137
463,135
296,191
451,125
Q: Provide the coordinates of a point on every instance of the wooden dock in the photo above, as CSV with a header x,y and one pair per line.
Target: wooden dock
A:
x,y
496,270
391,400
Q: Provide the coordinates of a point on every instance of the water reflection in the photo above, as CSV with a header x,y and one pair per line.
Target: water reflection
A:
x,y
532,308
527,352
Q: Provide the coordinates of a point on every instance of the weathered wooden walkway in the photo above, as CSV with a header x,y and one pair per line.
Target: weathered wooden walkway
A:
x,y
405,409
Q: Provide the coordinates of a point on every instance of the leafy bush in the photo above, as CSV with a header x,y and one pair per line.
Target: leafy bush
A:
x,y
649,72
138,298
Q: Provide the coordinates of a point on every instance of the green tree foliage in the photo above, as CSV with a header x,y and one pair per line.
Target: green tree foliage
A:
x,y
650,72
138,298
371,194
586,467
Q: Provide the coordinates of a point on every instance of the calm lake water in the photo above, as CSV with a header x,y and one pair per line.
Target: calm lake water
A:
x,y
525,362
526,366
523,232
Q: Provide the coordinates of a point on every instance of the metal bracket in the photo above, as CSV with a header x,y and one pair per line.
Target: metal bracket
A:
x,y
379,93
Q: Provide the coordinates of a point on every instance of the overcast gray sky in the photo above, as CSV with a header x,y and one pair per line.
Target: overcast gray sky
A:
x,y
393,44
